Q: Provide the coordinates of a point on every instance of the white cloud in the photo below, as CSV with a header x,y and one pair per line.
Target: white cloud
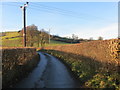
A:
x,y
107,32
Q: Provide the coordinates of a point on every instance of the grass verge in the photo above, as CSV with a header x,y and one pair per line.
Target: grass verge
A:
x,y
90,72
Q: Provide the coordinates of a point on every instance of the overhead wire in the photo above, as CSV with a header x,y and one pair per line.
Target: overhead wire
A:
x,y
50,9
53,12
45,10
60,11
84,15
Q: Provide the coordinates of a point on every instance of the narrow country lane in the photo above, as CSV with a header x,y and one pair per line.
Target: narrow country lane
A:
x,y
50,73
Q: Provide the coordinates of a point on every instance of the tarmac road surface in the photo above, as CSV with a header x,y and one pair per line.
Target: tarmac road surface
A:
x,y
50,73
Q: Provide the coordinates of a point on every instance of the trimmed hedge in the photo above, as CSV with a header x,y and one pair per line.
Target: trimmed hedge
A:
x,y
101,61
90,72
102,50
16,64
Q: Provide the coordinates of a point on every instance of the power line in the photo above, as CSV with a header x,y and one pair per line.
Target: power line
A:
x,y
52,10
48,11
60,11
67,11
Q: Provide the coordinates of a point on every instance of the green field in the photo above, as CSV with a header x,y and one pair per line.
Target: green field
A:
x,y
13,39
10,35
54,43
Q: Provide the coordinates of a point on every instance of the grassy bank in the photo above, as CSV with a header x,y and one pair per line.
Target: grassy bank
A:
x,y
91,73
14,39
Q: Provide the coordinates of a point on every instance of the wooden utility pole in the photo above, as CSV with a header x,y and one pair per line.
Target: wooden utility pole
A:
x,y
24,23
49,36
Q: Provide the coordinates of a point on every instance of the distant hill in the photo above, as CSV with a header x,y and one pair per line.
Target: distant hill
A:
x,y
64,39
14,39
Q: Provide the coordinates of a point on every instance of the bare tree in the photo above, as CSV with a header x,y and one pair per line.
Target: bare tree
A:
x,y
31,34
44,37
74,37
91,38
100,38
35,37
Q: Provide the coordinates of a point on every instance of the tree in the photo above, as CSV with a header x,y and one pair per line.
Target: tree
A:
x,y
100,38
35,37
91,38
74,37
44,37
31,34
118,36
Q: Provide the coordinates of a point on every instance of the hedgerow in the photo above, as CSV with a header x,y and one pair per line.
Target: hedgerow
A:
x,y
90,72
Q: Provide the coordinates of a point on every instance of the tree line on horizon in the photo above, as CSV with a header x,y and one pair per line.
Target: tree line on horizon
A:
x,y
41,37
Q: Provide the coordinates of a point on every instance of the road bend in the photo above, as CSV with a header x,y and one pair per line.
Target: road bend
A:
x,y
49,73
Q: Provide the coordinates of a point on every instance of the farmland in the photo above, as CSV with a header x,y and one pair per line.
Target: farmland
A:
x,y
96,66
91,73
94,63
106,51
60,45
14,39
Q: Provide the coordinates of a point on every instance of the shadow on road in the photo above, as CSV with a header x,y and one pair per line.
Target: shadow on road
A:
x,y
50,73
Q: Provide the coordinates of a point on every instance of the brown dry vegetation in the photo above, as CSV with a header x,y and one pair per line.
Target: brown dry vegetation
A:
x,y
95,63
101,50
17,63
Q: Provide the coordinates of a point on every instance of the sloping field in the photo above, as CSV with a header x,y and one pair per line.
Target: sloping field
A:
x,y
101,50
14,39
10,35
96,63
